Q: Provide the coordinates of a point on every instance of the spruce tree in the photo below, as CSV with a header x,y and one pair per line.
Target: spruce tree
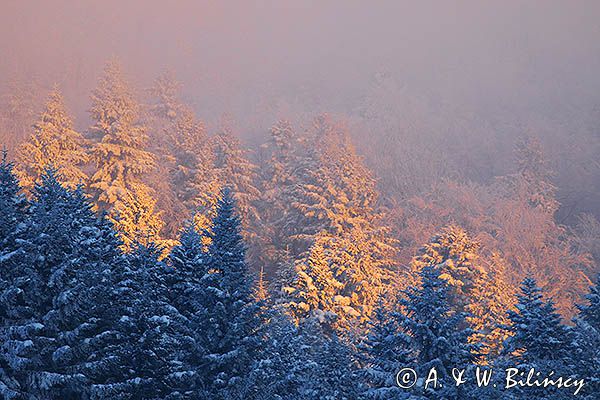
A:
x,y
137,220
165,92
586,347
57,294
333,200
332,371
188,261
534,175
539,340
53,143
231,321
590,312
279,158
181,146
315,288
385,351
232,169
13,206
537,332
183,281
472,289
281,369
13,214
192,173
438,334
148,357
118,150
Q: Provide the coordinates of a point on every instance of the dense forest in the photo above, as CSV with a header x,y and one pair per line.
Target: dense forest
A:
x,y
150,257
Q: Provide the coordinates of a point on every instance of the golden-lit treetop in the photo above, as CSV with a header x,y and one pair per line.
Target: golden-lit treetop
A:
x,y
54,143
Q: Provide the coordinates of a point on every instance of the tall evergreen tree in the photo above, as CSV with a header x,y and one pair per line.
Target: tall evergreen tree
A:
x,y
332,372
279,157
57,295
385,351
438,333
334,191
165,92
590,312
234,170
334,202
586,349
472,289
39,276
193,173
182,148
154,338
315,289
231,320
119,148
13,206
137,220
13,214
183,281
537,332
53,143
539,340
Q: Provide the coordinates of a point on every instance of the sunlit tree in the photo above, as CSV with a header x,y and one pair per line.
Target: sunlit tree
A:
x,y
119,152
54,143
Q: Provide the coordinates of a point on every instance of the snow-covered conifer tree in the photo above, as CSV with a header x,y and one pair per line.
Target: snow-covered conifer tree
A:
x,y
231,321
53,143
537,331
118,150
438,333
586,349
385,351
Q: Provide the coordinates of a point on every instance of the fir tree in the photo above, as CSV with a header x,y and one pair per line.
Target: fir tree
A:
x,y
180,144
338,282
13,207
183,281
314,291
281,369
137,221
13,214
54,143
188,261
333,200
192,173
231,319
332,372
232,169
586,347
118,150
386,350
472,289
590,312
54,304
148,355
539,340
279,157
537,332
437,332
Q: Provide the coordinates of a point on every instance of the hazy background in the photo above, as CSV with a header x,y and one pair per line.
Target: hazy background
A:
x,y
478,73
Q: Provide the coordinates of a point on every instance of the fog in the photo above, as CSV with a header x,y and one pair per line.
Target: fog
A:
x,y
499,68
527,56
